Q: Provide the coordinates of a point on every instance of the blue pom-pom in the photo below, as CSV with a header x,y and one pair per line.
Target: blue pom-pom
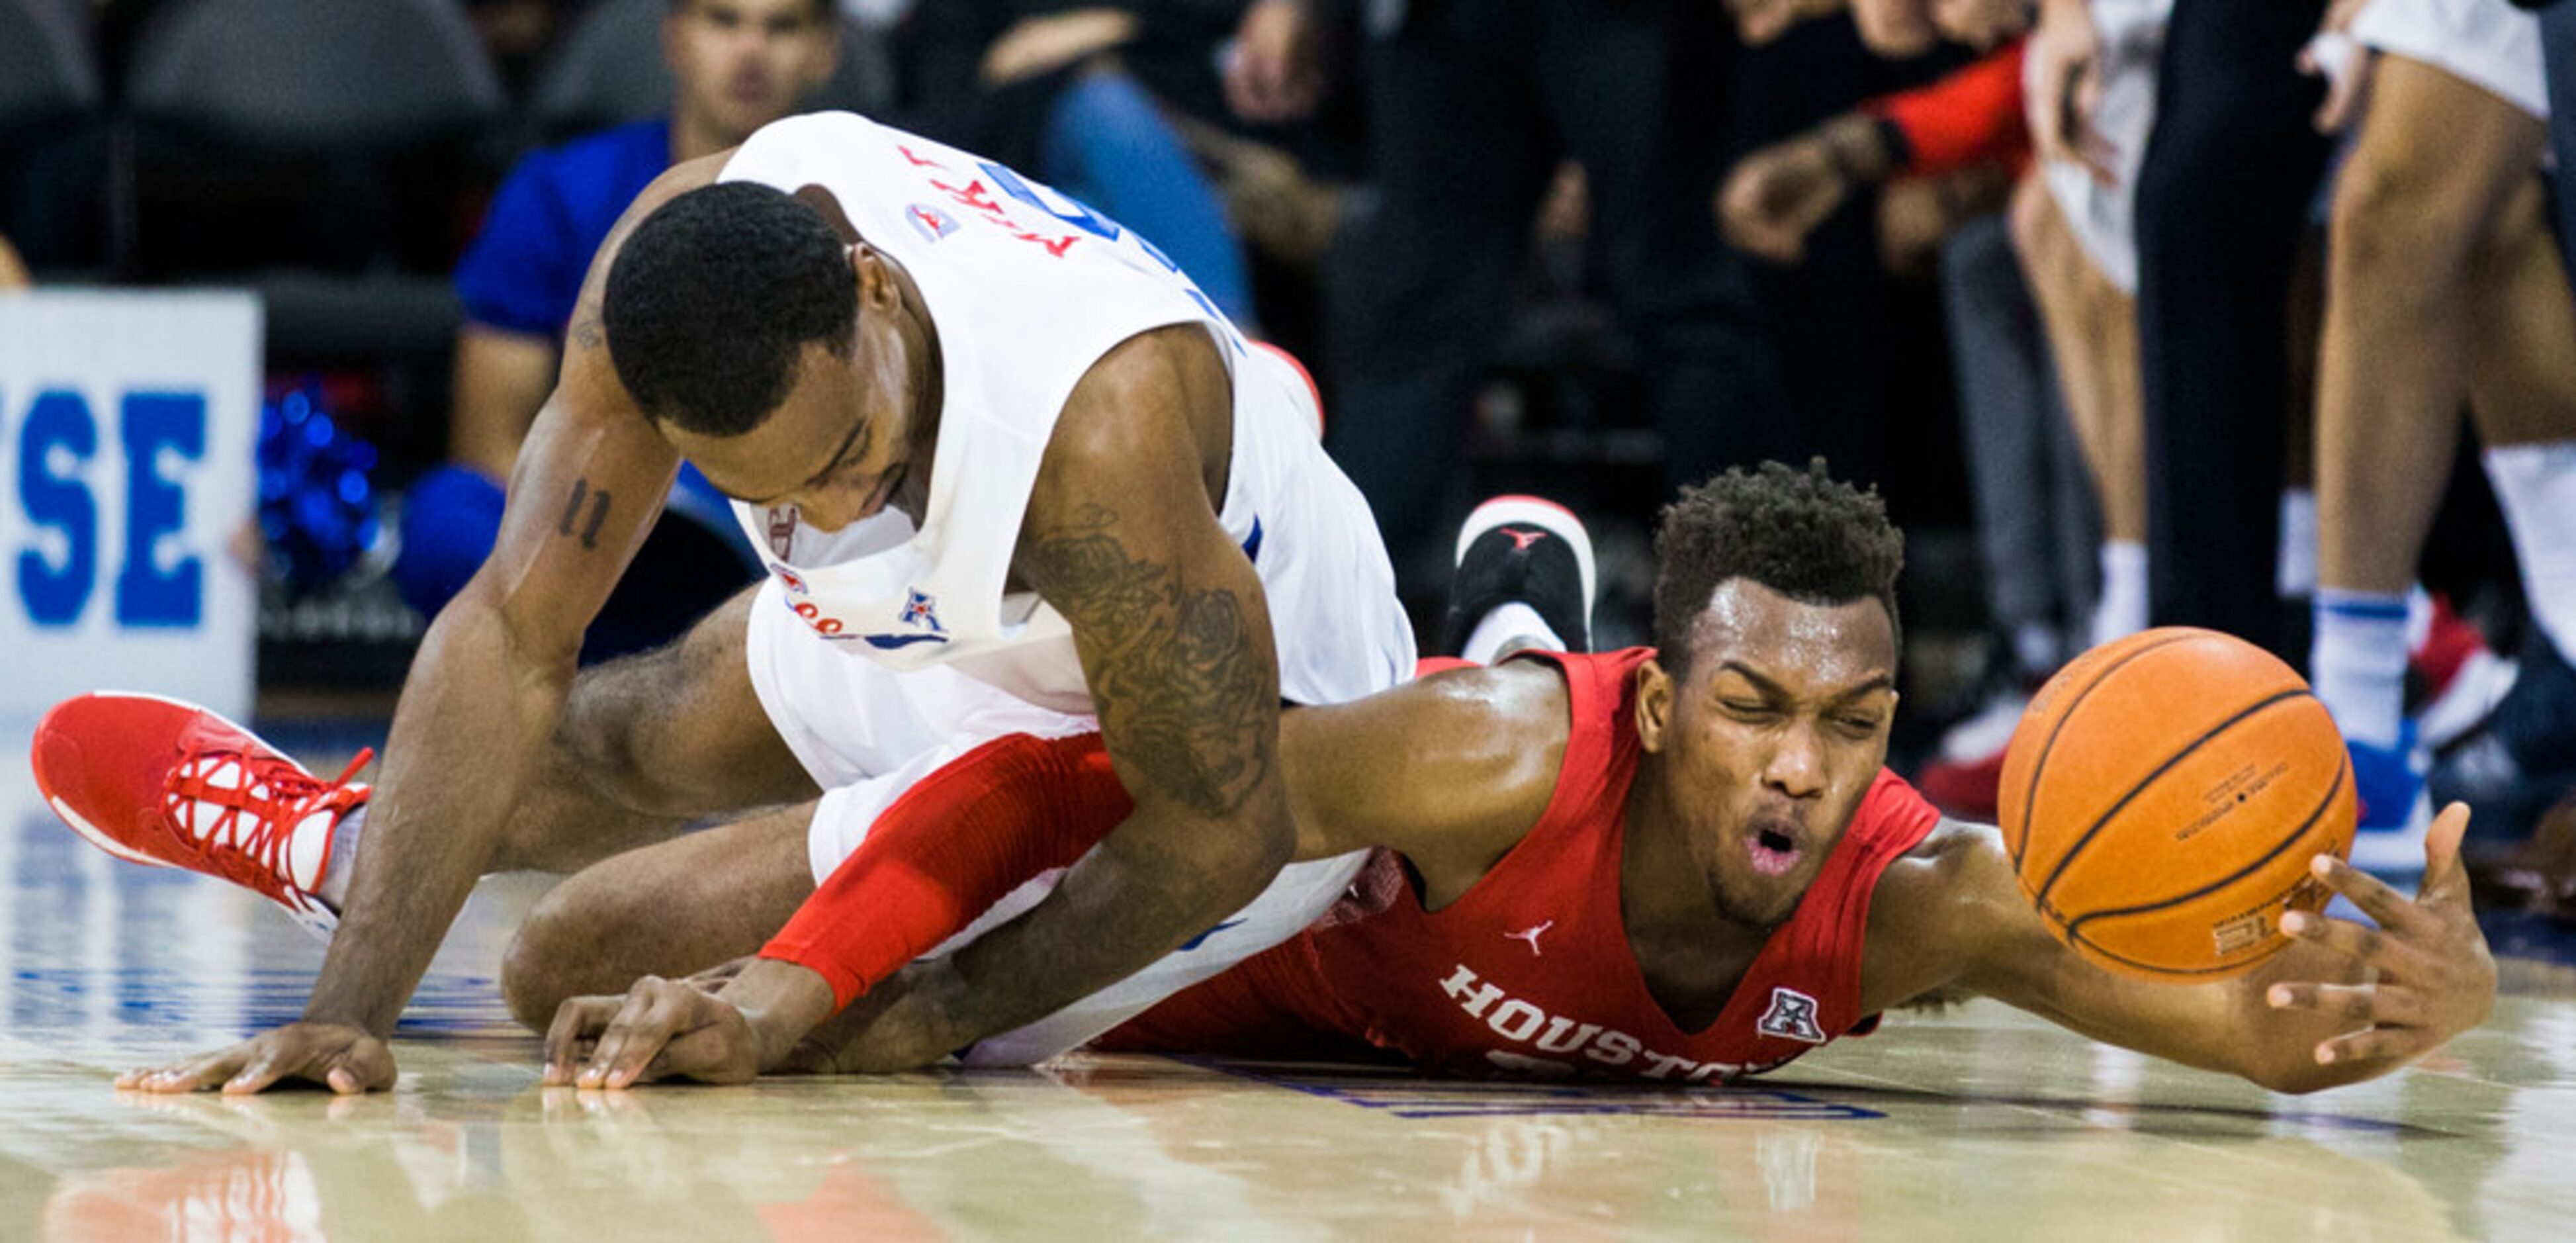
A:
x,y
317,508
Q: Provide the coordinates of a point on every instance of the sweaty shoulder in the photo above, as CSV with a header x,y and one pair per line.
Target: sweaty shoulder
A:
x,y
1452,769
1937,908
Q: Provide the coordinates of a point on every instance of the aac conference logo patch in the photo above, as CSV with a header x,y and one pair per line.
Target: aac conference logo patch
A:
x,y
933,223
1792,1016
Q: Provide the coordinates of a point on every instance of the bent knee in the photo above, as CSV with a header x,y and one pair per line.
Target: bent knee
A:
x,y
2395,216
556,954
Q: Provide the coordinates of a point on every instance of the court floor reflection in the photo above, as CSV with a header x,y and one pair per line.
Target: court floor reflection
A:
x,y
1977,1124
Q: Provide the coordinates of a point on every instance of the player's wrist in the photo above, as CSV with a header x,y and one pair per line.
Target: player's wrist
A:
x,y
324,1010
779,1003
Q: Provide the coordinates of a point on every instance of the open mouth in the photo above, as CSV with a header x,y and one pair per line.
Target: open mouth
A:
x,y
1774,852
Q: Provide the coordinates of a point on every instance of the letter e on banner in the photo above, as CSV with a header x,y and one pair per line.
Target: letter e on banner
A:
x,y
129,425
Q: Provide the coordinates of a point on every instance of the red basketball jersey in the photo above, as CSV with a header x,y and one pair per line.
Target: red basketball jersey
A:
x,y
1530,971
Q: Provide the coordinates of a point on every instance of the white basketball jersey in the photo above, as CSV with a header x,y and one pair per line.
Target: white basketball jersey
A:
x,y
1026,289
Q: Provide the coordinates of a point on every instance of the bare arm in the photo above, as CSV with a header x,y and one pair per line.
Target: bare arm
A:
x,y
486,688
2342,1003
1174,636
491,677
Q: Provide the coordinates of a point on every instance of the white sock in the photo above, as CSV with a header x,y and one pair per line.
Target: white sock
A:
x,y
2357,663
1511,627
2122,610
2535,485
2036,648
334,889
2297,572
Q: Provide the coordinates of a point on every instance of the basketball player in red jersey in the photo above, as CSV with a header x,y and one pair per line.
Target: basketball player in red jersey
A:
x,y
1683,865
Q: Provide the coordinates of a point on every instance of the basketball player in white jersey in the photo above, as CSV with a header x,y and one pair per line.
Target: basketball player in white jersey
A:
x,y
1009,470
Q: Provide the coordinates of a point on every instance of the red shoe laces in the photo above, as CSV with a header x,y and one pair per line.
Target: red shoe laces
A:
x,y
275,790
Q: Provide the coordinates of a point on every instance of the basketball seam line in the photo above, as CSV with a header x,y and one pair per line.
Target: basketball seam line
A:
x,y
2240,874
2150,779
2030,799
2123,959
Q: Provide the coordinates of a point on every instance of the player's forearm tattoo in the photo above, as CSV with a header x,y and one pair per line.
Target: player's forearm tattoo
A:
x,y
572,516
1180,681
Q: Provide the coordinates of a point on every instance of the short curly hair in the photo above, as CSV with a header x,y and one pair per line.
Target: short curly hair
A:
x,y
713,298
1803,534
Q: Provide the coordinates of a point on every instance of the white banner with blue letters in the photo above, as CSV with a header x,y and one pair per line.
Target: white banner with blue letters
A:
x,y
129,421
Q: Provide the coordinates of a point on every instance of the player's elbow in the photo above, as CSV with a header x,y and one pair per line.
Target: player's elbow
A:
x,y
488,619
1228,864
1258,850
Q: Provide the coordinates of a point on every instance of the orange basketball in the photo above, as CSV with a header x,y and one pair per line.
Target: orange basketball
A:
x,y
2162,799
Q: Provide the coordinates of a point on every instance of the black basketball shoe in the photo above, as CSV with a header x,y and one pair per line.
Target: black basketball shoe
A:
x,y
1520,549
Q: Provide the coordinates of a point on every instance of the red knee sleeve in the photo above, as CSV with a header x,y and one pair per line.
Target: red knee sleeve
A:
x,y
948,849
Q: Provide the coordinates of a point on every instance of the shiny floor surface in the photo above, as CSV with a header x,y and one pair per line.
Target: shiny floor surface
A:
x,y
1980,1124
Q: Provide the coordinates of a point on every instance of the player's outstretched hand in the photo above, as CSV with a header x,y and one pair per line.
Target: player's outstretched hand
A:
x,y
2429,976
661,1029
348,1060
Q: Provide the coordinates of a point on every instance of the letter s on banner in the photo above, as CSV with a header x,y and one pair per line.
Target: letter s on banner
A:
x,y
129,423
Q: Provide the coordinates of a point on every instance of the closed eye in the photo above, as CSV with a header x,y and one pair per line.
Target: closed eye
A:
x,y
853,447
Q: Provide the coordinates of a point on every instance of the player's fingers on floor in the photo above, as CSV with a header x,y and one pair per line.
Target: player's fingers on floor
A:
x,y
367,1066
638,1025
133,1079
264,1067
578,1021
704,1055
647,1054
196,1074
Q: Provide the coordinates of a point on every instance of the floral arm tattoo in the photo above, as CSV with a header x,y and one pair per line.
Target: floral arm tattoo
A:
x,y
1184,689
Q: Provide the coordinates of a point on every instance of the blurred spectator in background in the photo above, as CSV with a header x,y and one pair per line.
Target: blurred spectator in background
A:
x,y
1958,143
1891,28
1471,105
2221,195
737,65
13,270
518,33
1040,85
2074,225
2445,286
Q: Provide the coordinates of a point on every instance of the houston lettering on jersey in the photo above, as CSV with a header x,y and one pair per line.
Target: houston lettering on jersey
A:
x,y
1576,1046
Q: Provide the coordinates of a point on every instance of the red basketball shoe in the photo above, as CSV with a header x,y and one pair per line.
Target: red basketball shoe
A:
x,y
170,784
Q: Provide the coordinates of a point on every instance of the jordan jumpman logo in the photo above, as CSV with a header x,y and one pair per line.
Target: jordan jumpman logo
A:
x,y
1522,539
1531,935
